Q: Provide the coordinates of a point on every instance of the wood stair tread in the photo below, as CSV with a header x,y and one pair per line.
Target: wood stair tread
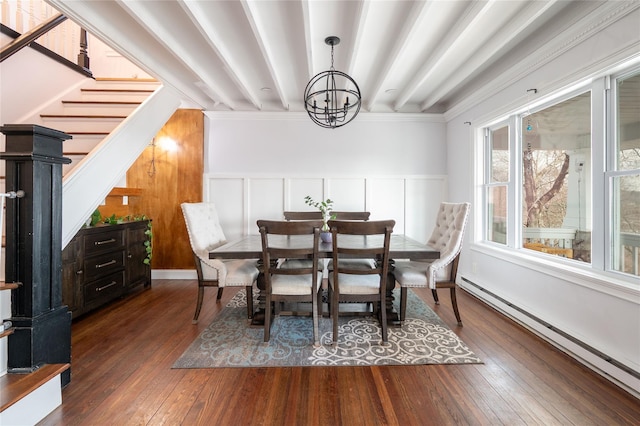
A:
x,y
88,133
120,90
81,116
14,387
128,79
103,102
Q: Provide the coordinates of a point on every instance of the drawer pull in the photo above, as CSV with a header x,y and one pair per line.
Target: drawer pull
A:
x,y
102,265
104,287
110,240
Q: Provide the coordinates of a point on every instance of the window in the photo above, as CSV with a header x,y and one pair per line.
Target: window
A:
x,y
556,156
496,184
624,176
550,170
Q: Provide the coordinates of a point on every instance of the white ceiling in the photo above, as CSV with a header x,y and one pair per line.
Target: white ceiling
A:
x,y
406,56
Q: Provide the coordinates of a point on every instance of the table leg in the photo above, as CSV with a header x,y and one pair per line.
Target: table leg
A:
x,y
393,317
258,316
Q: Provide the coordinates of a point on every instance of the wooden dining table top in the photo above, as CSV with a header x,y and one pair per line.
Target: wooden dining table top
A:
x,y
400,247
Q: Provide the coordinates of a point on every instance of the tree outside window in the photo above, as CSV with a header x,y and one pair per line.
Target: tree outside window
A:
x,y
556,164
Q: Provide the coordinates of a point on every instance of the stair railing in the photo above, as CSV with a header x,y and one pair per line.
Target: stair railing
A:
x,y
25,39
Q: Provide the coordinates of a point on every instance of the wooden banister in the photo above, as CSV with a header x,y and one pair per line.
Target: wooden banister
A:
x,y
26,38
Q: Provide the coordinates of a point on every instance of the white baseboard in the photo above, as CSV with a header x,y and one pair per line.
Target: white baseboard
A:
x,y
174,274
35,406
571,347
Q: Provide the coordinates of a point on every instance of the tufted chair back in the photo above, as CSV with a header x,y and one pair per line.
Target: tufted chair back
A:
x,y
205,234
447,237
203,226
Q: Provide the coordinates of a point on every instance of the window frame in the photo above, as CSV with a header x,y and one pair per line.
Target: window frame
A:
x,y
603,152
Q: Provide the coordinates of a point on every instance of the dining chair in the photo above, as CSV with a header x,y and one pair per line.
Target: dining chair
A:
x,y
337,215
447,237
350,282
205,234
298,242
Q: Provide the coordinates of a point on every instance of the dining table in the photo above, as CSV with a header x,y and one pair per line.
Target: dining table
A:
x,y
250,247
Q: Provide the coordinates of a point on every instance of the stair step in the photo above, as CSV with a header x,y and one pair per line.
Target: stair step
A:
x,y
127,80
89,133
14,387
118,90
101,102
80,116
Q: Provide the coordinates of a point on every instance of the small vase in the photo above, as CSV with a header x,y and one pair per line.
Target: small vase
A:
x,y
325,237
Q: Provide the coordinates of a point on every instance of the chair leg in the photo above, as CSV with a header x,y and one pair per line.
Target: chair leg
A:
x,y
314,312
198,304
219,296
454,302
249,291
267,319
334,316
435,296
383,320
403,303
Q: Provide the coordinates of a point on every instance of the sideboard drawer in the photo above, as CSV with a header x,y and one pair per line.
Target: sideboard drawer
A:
x,y
103,264
103,241
107,287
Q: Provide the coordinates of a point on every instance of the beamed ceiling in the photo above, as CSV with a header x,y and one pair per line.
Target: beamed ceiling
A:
x,y
406,56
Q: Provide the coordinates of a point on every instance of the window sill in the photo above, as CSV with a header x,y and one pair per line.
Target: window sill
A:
x,y
619,285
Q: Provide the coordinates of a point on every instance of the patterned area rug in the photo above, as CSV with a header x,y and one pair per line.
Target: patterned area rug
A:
x,y
229,342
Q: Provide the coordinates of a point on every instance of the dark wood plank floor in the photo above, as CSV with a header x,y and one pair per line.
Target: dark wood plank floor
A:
x,y
122,357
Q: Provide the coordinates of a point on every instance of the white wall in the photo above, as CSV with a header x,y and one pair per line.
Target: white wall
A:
x,y
589,306
259,164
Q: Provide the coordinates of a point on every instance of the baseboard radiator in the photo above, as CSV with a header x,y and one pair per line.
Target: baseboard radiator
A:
x,y
597,353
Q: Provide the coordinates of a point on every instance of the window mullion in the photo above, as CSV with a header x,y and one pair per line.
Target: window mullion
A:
x,y
514,190
600,213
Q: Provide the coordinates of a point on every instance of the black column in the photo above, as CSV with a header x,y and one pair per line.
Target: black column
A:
x,y
42,333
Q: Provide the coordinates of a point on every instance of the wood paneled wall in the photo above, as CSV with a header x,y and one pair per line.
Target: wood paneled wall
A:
x,y
177,179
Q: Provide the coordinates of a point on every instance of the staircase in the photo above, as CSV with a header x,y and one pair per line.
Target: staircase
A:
x,y
94,111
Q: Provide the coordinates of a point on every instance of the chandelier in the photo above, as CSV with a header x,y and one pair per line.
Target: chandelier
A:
x,y
332,98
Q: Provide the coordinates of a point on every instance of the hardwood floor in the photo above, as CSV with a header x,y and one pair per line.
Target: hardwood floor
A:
x,y
122,357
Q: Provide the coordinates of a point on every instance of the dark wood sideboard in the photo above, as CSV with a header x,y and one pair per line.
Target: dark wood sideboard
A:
x,y
102,263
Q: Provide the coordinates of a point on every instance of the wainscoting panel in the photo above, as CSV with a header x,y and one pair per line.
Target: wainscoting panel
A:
x,y
266,200
348,194
298,188
422,197
386,199
228,194
411,201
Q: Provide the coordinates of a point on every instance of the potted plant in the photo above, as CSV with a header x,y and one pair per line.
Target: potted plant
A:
x,y
325,208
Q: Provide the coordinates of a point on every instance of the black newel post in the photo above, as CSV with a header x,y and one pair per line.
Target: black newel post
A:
x,y
42,333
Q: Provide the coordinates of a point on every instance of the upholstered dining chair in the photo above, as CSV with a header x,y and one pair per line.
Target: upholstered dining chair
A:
x,y
298,242
349,281
205,234
441,273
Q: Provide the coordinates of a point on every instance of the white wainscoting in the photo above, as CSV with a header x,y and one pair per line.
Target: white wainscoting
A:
x,y
412,201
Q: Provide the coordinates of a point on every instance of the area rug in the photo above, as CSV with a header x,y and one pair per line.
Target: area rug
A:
x,y
229,342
